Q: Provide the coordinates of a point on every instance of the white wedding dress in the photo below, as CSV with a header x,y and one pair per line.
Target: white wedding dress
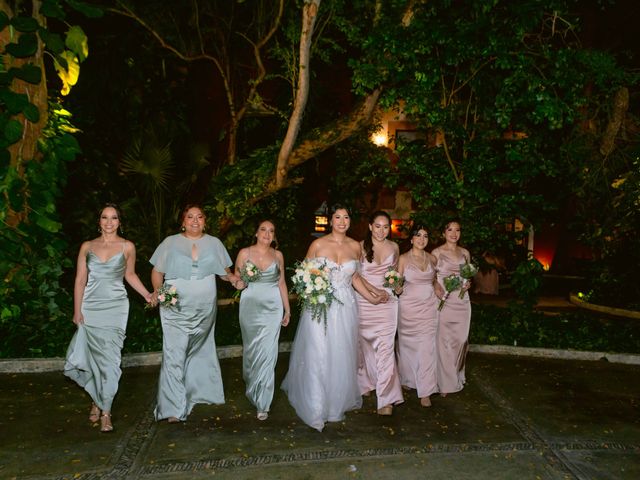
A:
x,y
322,379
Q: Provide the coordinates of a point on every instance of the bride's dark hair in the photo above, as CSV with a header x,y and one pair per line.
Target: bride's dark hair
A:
x,y
368,241
338,206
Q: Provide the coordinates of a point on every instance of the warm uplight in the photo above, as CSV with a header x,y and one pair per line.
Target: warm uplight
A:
x,y
380,139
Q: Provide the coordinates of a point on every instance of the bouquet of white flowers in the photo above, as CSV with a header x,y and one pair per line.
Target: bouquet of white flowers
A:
x,y
312,284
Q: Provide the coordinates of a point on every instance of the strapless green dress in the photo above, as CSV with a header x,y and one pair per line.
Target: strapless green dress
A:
x,y
261,313
93,357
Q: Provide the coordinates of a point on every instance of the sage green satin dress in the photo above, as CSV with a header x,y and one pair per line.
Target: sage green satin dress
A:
x,y
261,313
190,370
93,357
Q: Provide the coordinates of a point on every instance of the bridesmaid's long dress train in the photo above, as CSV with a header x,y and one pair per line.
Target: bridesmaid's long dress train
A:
x,y
377,368
261,313
417,327
93,357
453,331
322,379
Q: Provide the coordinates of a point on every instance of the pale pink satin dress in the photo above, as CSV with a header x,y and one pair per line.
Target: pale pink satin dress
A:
x,y
377,368
453,330
417,328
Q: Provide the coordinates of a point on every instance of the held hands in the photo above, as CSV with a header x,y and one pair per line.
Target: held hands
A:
x,y
439,291
378,296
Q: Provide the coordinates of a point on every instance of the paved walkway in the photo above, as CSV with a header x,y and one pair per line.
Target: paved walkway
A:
x,y
517,418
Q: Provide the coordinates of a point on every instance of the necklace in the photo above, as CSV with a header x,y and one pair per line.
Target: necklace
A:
x,y
423,261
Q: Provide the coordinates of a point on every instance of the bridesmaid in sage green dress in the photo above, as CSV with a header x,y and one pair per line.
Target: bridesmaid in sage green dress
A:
x,y
190,371
101,310
264,306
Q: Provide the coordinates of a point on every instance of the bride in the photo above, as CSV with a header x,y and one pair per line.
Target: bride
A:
x,y
322,379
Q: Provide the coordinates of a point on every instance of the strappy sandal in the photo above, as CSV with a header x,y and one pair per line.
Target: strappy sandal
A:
x,y
94,413
105,423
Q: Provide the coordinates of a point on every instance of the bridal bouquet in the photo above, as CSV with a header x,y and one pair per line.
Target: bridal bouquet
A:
x,y
393,280
250,272
312,284
468,270
167,297
451,283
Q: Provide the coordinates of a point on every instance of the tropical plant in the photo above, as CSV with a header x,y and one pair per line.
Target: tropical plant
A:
x,y
35,148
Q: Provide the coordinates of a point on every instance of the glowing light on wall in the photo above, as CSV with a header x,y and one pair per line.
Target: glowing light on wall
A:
x,y
380,138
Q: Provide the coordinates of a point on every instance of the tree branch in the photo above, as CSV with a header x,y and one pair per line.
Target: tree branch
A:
x,y
309,16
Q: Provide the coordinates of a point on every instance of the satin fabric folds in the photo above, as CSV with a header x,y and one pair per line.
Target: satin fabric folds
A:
x,y
321,382
378,324
261,313
190,371
93,357
453,331
417,328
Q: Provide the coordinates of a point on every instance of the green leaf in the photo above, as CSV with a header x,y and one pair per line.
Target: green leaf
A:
x,y
25,24
52,9
4,20
77,42
5,78
87,10
31,113
12,131
15,102
48,224
53,41
27,45
29,73
5,160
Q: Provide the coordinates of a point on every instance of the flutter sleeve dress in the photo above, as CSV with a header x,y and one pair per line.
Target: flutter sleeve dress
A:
x,y
190,371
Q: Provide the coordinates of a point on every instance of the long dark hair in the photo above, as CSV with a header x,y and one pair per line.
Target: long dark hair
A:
x,y
274,242
368,240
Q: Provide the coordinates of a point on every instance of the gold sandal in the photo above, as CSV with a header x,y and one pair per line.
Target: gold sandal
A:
x,y
105,423
94,413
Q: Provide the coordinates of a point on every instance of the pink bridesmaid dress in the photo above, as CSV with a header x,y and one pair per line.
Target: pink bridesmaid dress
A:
x,y
378,324
453,330
417,327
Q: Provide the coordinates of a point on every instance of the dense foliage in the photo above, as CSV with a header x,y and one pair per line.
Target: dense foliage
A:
x,y
36,146
513,115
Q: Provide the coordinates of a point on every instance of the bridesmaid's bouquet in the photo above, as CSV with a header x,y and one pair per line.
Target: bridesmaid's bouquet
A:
x,y
451,283
468,270
167,297
250,272
312,283
393,280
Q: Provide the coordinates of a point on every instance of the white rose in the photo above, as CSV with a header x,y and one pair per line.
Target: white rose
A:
x,y
322,299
